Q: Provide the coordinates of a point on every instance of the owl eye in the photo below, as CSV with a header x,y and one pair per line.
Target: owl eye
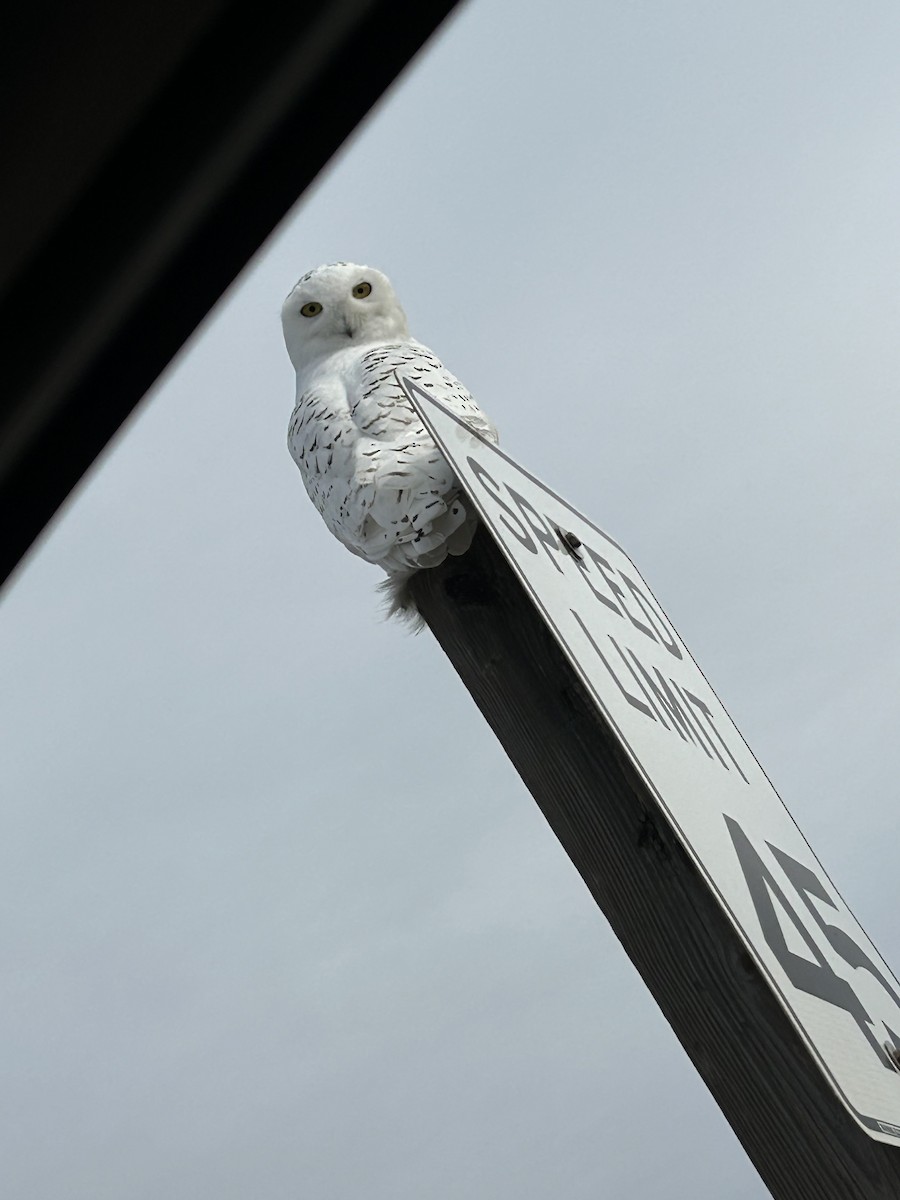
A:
x,y
361,290
311,309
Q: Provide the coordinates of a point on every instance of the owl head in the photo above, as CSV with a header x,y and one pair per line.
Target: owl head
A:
x,y
336,306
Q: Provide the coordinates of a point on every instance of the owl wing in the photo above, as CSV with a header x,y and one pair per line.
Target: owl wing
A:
x,y
416,505
383,408
429,372
370,466
374,474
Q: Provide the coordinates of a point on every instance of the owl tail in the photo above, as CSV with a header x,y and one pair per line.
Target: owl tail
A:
x,y
398,600
449,533
396,591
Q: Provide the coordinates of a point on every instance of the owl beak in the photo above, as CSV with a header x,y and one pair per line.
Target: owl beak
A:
x,y
347,329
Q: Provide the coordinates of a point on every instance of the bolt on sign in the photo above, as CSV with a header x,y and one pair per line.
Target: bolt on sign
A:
x,y
825,972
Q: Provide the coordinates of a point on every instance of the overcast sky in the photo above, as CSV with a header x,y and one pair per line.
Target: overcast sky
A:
x,y
279,918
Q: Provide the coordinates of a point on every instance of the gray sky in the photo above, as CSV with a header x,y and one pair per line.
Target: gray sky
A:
x,y
255,943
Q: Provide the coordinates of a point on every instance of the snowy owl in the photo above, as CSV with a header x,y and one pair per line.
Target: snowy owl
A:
x,y
369,465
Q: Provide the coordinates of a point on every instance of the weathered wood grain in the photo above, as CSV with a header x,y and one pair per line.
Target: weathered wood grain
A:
x,y
795,1131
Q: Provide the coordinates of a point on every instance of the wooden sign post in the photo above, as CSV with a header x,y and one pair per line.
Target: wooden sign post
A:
x,y
780,1000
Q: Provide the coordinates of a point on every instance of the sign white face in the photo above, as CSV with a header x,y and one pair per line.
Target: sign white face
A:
x,y
820,964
